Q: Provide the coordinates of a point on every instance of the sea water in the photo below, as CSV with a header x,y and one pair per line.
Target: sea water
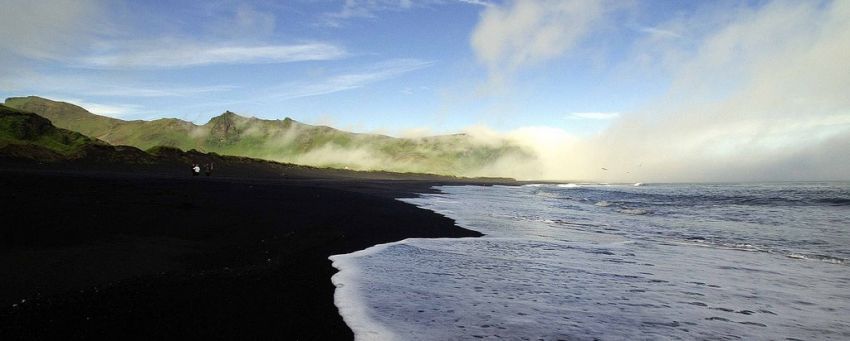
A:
x,y
613,262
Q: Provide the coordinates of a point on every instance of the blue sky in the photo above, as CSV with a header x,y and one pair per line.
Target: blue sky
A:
x,y
364,65
721,89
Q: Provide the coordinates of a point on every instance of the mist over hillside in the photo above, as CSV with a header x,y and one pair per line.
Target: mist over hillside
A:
x,y
290,141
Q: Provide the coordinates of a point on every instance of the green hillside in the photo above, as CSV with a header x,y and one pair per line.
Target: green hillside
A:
x,y
286,141
72,117
25,135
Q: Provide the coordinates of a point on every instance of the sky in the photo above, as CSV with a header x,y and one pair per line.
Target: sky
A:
x,y
647,90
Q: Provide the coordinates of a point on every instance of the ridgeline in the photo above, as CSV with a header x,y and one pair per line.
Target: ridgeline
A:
x,y
288,141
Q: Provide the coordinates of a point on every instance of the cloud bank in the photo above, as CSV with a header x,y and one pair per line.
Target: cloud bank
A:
x,y
759,94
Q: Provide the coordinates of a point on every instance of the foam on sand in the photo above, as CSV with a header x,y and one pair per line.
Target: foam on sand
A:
x,y
578,263
347,298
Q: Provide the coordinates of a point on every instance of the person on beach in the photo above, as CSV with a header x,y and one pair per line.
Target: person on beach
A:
x,y
196,169
208,169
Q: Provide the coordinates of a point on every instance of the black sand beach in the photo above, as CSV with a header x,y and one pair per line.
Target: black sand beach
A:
x,y
100,253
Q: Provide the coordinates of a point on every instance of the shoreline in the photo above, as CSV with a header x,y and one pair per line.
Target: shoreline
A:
x,y
351,307
98,253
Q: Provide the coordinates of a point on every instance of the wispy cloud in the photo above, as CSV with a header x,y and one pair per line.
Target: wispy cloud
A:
x,y
187,54
133,91
360,9
352,80
352,9
510,37
659,33
477,2
83,85
593,115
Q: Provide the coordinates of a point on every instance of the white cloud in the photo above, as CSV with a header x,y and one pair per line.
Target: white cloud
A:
x,y
477,2
352,80
165,91
510,37
84,85
760,95
47,29
660,33
177,54
593,115
360,9
104,109
352,9
111,110
85,33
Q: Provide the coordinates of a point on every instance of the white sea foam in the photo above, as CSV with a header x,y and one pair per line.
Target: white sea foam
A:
x,y
552,267
635,211
349,301
828,259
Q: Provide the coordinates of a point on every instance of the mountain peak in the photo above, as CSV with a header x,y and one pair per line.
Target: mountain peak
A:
x,y
226,128
227,116
230,114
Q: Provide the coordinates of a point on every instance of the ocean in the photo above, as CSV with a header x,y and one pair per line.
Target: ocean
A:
x,y
612,262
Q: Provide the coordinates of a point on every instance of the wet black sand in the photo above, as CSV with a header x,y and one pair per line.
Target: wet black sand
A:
x,y
147,255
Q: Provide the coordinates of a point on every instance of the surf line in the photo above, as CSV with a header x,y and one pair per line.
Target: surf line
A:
x,y
350,303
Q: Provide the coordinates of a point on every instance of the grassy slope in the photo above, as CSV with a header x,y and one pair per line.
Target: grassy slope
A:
x,y
26,131
25,135
281,140
72,117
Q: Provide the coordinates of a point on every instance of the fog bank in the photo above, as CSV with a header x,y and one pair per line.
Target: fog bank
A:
x,y
756,94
